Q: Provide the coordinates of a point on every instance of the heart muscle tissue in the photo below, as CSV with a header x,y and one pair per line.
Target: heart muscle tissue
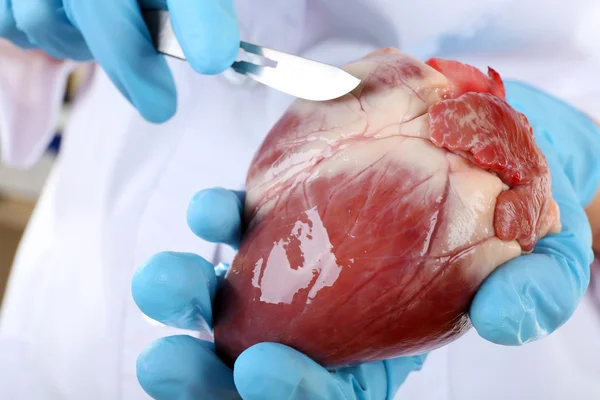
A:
x,y
371,220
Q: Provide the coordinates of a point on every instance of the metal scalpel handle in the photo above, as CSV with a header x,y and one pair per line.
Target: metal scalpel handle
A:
x,y
297,76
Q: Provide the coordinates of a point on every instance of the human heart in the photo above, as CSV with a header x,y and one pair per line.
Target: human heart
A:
x,y
372,220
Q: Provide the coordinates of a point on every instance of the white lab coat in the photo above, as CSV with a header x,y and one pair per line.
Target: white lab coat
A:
x,y
69,328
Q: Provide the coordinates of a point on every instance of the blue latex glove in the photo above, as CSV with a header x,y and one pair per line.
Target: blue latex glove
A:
x,y
113,33
178,289
531,296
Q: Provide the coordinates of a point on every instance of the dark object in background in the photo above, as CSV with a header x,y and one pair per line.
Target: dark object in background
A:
x,y
54,146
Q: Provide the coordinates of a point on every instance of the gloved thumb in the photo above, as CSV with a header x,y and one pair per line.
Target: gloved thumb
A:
x,y
271,371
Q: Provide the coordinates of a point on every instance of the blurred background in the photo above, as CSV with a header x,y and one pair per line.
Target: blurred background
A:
x,y
20,189
18,194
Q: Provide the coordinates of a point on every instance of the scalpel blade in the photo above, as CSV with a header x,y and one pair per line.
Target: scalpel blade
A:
x,y
297,76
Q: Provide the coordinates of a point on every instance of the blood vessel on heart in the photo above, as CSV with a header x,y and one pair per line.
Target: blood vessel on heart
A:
x,y
372,219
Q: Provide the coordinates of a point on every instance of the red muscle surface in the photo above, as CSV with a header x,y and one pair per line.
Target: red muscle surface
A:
x,y
466,78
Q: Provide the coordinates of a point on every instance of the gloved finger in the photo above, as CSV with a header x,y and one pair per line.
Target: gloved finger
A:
x,y
183,367
273,371
531,296
8,27
118,38
398,370
377,380
215,215
207,32
176,289
46,25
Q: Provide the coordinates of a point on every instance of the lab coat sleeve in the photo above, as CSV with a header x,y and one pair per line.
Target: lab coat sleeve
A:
x,y
32,86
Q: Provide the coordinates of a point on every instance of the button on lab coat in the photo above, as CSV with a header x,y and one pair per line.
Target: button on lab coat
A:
x,y
118,193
